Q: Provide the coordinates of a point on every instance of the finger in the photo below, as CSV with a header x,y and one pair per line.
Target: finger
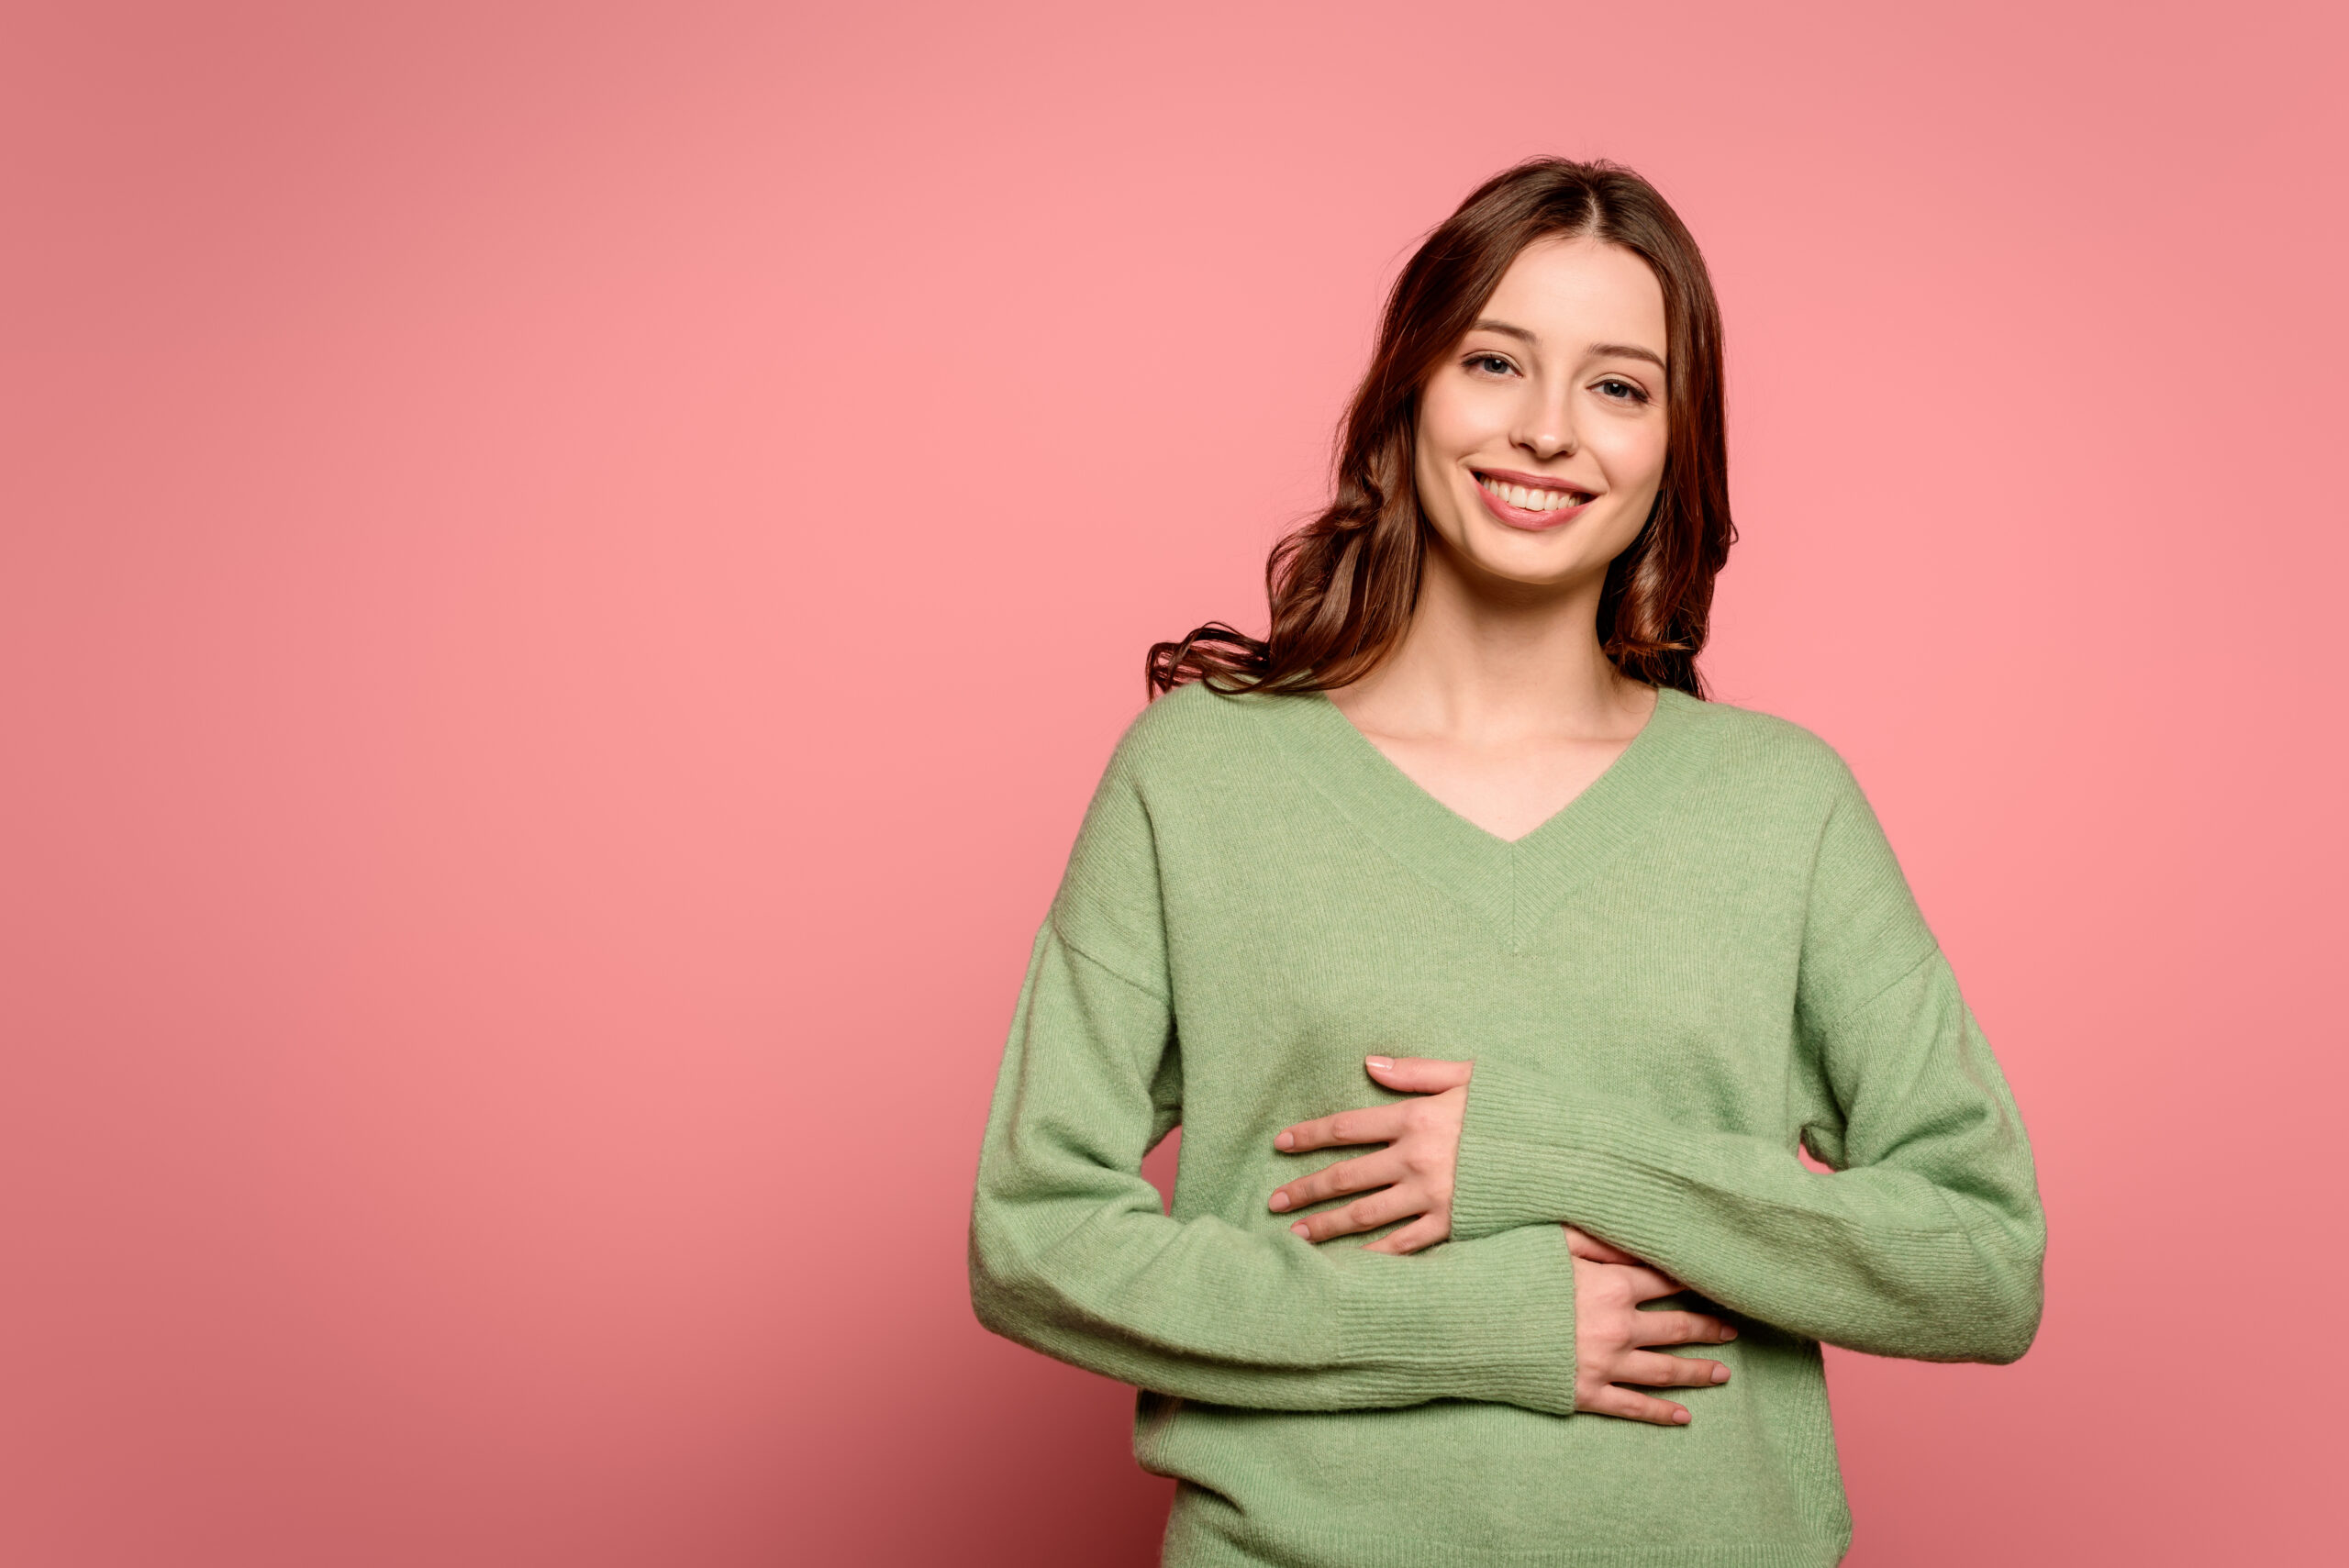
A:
x,y
1613,1401
1682,1328
1583,1244
1418,1075
1382,1207
1376,1124
1647,1284
1424,1231
1653,1371
1356,1175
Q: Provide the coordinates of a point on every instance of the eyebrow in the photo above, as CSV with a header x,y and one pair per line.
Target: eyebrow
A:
x,y
1598,351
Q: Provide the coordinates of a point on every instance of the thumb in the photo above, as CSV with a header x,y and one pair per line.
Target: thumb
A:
x,y
1583,1244
1418,1075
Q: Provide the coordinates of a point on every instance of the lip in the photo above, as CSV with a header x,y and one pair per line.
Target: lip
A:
x,y
1524,517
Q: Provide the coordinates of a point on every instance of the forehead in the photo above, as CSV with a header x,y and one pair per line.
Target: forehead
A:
x,y
1581,291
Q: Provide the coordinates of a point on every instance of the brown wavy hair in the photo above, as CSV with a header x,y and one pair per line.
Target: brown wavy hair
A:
x,y
1342,585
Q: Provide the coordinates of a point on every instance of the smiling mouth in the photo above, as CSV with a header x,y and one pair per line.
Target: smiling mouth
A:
x,y
1531,498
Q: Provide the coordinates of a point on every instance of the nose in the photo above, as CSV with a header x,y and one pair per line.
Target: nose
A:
x,y
1545,424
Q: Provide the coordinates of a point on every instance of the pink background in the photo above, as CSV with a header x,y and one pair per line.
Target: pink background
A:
x,y
568,571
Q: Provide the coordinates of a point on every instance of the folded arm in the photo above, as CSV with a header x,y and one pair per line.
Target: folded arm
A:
x,y
1072,1255
1925,1242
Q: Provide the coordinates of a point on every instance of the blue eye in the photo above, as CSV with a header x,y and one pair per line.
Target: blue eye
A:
x,y
1621,391
1491,363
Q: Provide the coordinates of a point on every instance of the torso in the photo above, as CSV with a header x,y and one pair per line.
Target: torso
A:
x,y
1301,899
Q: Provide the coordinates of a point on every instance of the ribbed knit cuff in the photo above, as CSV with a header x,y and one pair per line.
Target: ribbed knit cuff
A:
x,y
1515,1166
1492,1319
1533,1153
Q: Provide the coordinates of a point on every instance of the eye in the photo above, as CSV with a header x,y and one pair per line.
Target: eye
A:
x,y
1491,364
1621,391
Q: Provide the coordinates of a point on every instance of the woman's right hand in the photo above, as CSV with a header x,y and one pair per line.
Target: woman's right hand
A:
x,y
1611,1336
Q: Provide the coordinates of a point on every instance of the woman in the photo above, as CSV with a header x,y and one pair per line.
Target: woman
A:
x,y
1453,914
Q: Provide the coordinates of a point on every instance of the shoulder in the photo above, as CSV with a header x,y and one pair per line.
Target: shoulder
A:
x,y
1748,750
1182,761
1195,735
1782,784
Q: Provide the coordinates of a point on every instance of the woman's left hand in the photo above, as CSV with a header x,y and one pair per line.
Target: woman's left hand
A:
x,y
1412,1176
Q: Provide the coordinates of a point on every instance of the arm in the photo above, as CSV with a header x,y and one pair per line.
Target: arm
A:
x,y
1070,1254
1927,1239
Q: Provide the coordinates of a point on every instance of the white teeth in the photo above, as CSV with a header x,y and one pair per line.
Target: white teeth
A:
x,y
1533,500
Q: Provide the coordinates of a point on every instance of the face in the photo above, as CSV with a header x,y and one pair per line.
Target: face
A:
x,y
1541,438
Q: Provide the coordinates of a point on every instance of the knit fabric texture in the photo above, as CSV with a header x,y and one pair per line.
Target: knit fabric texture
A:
x,y
1709,956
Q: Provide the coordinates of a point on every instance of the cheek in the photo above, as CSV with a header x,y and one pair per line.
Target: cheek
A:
x,y
1437,503
1633,459
1454,421
1443,439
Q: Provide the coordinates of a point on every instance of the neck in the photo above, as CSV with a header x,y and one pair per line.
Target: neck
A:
x,y
1486,660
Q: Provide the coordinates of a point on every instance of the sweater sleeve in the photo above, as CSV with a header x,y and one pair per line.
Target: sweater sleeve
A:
x,y
1071,1253
1926,1239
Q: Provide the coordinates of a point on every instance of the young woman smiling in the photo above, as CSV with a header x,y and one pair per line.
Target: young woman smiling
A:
x,y
1463,838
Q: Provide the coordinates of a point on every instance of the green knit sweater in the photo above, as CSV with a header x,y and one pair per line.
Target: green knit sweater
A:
x,y
1709,956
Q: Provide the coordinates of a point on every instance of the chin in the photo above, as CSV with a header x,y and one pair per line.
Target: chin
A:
x,y
1548,569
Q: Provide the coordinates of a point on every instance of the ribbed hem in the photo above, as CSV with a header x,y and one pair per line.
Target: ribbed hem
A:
x,y
1492,1321
1196,1538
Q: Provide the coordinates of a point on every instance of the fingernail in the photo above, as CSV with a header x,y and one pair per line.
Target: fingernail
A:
x,y
1720,1374
1300,1228
1284,1141
1729,1333
1280,1202
1381,1063
1680,1418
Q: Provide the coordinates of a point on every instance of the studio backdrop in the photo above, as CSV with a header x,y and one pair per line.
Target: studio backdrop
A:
x,y
566,571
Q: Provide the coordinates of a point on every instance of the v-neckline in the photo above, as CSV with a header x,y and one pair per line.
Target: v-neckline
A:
x,y
1515,883
1591,784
